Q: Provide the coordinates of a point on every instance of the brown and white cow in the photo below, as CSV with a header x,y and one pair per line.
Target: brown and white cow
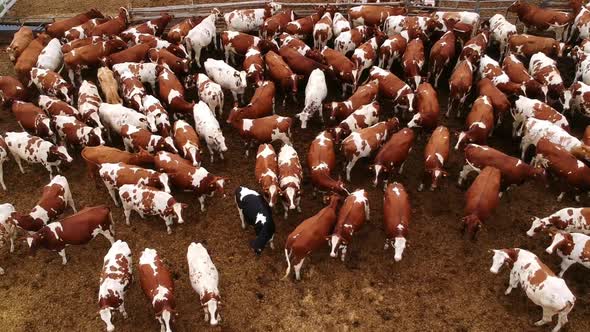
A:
x,y
94,156
364,95
392,49
441,54
392,155
266,172
177,32
499,101
254,65
135,138
32,119
276,24
286,40
301,64
35,150
321,160
158,286
322,31
348,41
163,56
115,175
290,176
413,61
132,90
436,153
501,32
544,70
475,48
135,53
460,84
261,104
527,45
83,30
427,107
21,39
90,56
363,143
113,26
441,21
3,158
396,218
53,107
74,44
187,142
283,76
355,211
73,132
11,89
569,219
28,58
157,116
303,27
115,279
482,198
525,108
239,43
518,73
108,85
572,248
413,26
171,91
542,19
365,56
373,14
310,235
479,123
51,83
58,28
340,24
154,26
267,129
77,229
393,88
345,70
490,69
365,116
250,20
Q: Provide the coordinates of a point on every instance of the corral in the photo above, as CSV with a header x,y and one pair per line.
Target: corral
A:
x,y
442,283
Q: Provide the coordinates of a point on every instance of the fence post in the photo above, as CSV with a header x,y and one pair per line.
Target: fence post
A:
x,y
477,6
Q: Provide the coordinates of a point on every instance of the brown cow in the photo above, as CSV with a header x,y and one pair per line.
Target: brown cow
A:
x,y
163,56
499,101
303,28
28,58
115,279
266,172
83,30
32,119
427,107
373,15
97,155
90,56
541,19
135,138
364,95
475,48
21,39
392,49
286,40
276,24
393,88
172,91
412,62
353,214
11,89
527,45
114,176
58,28
283,76
436,153
518,73
481,200
393,154
479,123
261,104
177,32
441,54
77,229
154,26
346,71
300,64
187,142
267,129
114,26
321,160
310,235
136,53
238,43
396,218
74,44
253,65
460,84
158,286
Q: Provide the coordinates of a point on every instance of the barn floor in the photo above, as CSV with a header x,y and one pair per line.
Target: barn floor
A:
x,y
443,282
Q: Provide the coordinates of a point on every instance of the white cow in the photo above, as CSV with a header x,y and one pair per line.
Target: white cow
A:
x,y
157,117
145,71
525,108
315,93
340,24
115,279
205,280
110,173
161,204
290,176
539,283
51,57
567,219
207,126
201,36
227,77
535,129
500,31
35,150
114,116
211,93
8,229
3,158
571,247
248,20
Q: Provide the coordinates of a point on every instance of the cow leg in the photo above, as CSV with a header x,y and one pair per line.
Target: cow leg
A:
x,y
1,271
2,175
127,212
386,246
565,264
198,57
560,197
286,209
561,319
122,310
71,202
401,168
202,202
227,55
64,259
349,167
18,162
113,194
547,315
108,234
298,203
271,242
168,228
241,213
513,283
50,170
343,253
297,268
449,107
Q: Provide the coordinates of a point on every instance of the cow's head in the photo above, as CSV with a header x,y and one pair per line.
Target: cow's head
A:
x,y
435,176
174,211
335,242
399,245
500,258
64,92
166,144
60,152
167,318
291,195
272,193
94,13
334,108
565,99
124,15
95,137
220,143
471,226
44,125
303,116
34,241
536,226
268,45
235,114
255,75
212,308
379,170
218,185
178,51
241,79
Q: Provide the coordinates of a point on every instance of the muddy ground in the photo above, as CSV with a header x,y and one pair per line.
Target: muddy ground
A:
x,y
443,282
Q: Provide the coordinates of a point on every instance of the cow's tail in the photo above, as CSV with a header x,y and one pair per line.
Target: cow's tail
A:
x,y
287,257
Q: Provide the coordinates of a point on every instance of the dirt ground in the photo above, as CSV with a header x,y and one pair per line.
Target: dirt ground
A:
x,y
443,282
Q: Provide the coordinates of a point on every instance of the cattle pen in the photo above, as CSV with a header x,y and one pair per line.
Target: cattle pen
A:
x,y
443,282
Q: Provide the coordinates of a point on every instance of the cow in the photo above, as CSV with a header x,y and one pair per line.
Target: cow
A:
x,y
32,119
481,198
538,281
501,32
201,36
204,279
237,43
286,40
152,202
3,158
348,41
364,95
444,21
227,77
525,108
254,65
580,28
163,56
441,54
322,31
158,286
267,129
115,279
266,172
290,176
310,235
393,49
535,129
303,65
207,126
108,85
89,101
190,178
53,107
186,141
115,116
490,69
58,28
97,155
362,143
544,70
11,89
527,45
248,20
373,15
500,102
209,92
316,91
21,39
321,159
580,98
346,71
136,53
436,154
83,30
275,25
77,229
177,32
51,83
35,150
28,58
154,26
74,44
393,88
283,76
340,24
113,26
145,72
396,218
157,116
135,138
303,27
513,170
413,26
427,106
365,116
393,154
90,56
352,215
172,92
571,247
132,91
365,56
115,175
542,19
261,104
74,132
474,48
518,73
255,211
479,123
51,57
572,220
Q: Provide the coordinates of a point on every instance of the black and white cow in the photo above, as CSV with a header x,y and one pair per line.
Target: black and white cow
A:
x,y
254,211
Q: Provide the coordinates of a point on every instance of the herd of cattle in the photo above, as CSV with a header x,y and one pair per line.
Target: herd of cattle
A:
x,y
139,95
